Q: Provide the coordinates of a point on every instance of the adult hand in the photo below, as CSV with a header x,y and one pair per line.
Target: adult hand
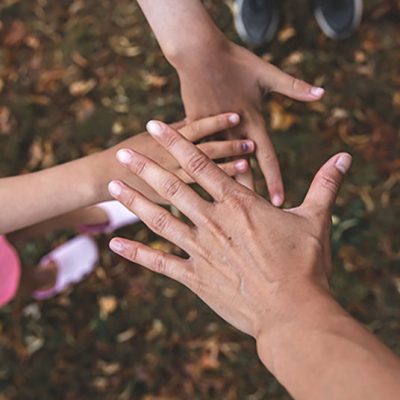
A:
x,y
246,258
223,76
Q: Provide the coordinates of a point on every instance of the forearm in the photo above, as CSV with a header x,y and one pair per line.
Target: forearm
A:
x,y
181,27
318,351
35,197
32,198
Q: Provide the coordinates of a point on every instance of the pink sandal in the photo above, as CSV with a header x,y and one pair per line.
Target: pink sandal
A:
x,y
118,217
74,259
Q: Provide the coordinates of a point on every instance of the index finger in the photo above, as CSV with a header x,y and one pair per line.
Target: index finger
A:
x,y
208,126
193,161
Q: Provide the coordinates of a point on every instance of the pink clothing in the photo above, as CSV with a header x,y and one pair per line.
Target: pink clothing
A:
x,y
10,271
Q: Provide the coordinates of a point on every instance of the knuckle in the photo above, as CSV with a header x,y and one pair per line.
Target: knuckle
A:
x,y
329,183
133,253
160,223
172,187
197,163
159,264
130,200
139,166
171,140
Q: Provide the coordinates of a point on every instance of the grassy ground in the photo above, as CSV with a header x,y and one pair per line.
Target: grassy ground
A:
x,y
77,76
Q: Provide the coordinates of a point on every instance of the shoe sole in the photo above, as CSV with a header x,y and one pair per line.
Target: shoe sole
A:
x,y
326,28
241,29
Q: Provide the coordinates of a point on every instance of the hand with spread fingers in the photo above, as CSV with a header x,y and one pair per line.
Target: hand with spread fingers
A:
x,y
250,248
262,269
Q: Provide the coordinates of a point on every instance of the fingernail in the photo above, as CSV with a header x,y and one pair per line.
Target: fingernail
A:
x,y
234,118
154,127
277,200
124,156
248,146
317,91
241,165
116,245
343,163
114,188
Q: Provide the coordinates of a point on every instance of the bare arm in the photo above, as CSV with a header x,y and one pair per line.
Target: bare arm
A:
x,y
181,27
262,269
318,351
28,199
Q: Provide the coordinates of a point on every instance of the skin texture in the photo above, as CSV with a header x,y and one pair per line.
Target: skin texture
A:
x,y
262,269
218,76
83,182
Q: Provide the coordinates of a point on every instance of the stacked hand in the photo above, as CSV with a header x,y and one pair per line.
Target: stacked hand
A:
x,y
194,132
222,76
247,258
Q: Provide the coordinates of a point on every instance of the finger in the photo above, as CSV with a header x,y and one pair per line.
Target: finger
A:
x,y
273,79
159,220
326,183
246,179
193,161
166,184
231,168
155,260
235,168
179,124
268,162
209,126
227,148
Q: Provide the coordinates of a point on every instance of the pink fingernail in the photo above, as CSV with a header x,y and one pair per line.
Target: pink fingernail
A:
x,y
154,127
241,165
124,156
343,163
116,245
317,91
277,200
114,188
234,118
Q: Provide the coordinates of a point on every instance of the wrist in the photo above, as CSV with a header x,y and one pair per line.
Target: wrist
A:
x,y
101,166
299,308
197,49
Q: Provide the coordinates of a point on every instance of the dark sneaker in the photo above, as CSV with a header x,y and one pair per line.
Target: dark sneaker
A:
x,y
338,19
256,21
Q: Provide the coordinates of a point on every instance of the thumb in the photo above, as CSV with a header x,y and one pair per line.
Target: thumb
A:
x,y
327,182
275,80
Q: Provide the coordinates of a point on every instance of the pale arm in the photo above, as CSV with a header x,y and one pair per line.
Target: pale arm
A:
x,y
29,199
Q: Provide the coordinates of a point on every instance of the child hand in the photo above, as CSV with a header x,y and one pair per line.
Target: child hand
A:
x,y
194,132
